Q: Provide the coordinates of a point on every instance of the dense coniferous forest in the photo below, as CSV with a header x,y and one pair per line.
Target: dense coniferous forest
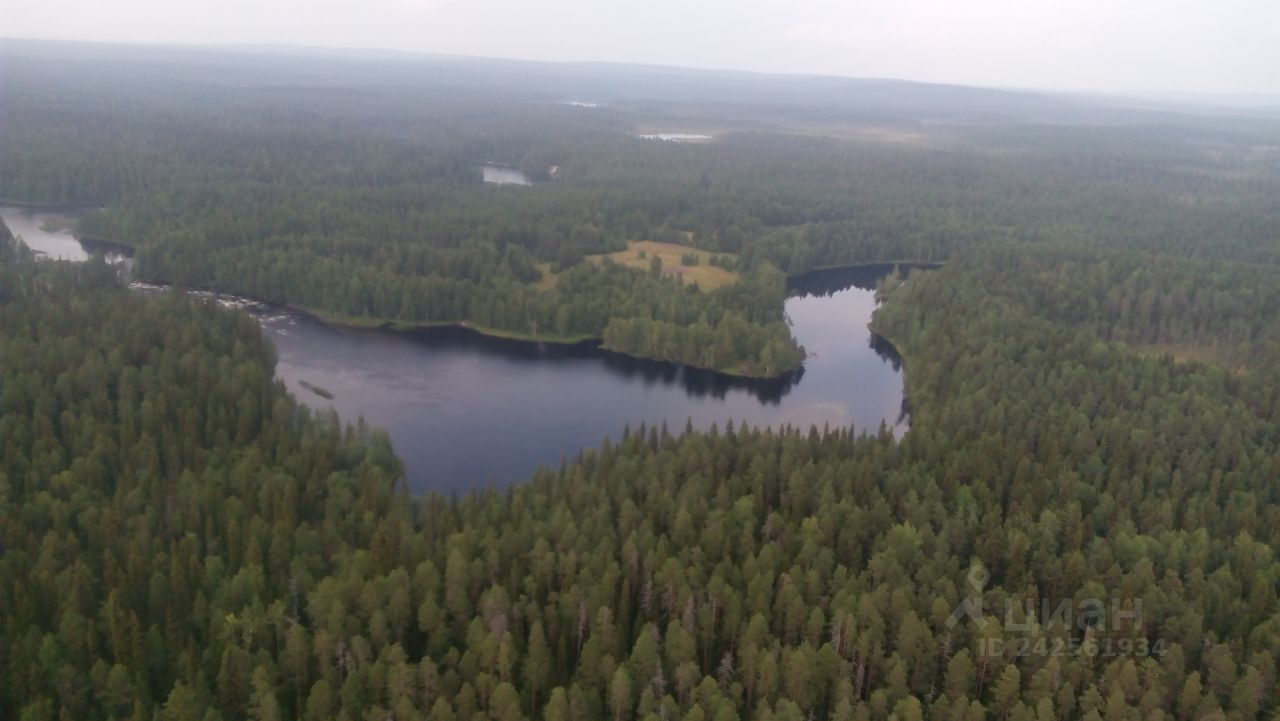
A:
x,y
354,190
1092,375
194,545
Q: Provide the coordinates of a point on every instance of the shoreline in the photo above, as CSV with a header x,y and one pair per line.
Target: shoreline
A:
x,y
921,264
399,326
339,320
586,339
90,243
86,241
907,411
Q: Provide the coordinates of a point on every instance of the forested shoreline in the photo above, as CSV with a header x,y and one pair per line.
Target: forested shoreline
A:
x,y
273,568
273,185
688,339
1093,377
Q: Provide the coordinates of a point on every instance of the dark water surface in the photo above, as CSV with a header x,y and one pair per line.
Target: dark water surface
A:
x,y
464,409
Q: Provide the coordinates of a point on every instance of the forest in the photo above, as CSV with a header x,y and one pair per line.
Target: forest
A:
x,y
269,182
1092,374
194,544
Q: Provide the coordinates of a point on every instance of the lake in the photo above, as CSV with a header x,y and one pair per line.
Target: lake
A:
x,y
464,409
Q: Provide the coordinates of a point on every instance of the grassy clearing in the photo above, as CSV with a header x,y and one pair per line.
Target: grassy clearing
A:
x,y
707,276
548,279
1188,353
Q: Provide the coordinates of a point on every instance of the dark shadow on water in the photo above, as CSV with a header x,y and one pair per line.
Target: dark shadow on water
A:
x,y
699,382
696,382
109,248
885,350
826,282
462,406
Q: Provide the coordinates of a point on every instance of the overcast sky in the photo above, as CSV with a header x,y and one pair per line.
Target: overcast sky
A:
x,y
1216,46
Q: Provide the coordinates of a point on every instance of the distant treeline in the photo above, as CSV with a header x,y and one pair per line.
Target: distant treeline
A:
x,y
364,199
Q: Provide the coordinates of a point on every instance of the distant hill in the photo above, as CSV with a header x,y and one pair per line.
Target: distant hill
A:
x,y
608,83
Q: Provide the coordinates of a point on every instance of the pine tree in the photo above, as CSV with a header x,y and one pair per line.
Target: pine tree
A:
x,y
537,665
262,703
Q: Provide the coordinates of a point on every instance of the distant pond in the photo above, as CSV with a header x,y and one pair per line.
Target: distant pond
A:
x,y
502,175
464,409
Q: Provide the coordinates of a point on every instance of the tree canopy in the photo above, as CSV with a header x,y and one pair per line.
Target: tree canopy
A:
x,y
1081,522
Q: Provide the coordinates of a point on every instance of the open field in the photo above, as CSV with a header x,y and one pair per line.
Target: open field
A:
x,y
707,276
548,279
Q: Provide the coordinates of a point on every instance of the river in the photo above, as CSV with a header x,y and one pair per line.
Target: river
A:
x,y
47,233
464,409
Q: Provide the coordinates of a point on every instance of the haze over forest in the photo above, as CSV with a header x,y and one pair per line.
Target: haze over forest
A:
x,y
1228,50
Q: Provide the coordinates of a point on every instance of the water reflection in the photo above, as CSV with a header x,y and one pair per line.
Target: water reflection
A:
x,y
464,409
48,234
828,281
696,382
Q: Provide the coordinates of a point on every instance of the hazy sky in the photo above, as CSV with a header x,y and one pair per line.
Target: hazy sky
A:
x,y
1227,46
